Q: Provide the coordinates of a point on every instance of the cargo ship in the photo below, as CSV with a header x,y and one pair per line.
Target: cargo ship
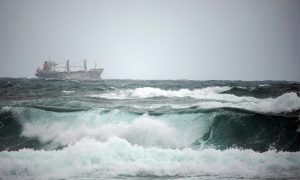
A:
x,y
49,71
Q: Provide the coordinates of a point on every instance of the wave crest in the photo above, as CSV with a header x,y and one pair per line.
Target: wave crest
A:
x,y
116,157
67,128
287,102
223,128
211,97
148,92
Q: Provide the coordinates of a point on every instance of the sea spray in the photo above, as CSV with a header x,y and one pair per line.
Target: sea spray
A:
x,y
116,158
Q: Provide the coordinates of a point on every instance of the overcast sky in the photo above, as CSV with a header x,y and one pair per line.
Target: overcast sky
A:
x,y
155,39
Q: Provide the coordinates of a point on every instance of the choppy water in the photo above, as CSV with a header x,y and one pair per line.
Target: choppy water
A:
x,y
128,129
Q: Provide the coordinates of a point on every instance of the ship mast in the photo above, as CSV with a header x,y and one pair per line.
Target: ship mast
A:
x,y
84,65
68,65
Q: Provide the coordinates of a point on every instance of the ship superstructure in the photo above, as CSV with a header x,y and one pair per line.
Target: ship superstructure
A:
x,y
49,71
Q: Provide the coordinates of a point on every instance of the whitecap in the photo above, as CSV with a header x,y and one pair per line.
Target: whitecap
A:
x,y
148,92
287,102
67,92
117,158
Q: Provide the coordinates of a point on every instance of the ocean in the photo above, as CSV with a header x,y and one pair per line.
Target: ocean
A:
x,y
149,129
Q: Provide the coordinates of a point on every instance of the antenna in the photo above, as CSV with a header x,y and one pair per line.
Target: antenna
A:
x,y
95,64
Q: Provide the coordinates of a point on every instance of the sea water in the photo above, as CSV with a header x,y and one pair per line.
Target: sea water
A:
x,y
131,129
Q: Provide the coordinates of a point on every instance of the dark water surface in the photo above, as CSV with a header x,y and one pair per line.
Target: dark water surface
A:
x,y
130,129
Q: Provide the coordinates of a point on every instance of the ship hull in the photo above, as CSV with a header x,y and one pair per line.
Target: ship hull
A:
x,y
93,74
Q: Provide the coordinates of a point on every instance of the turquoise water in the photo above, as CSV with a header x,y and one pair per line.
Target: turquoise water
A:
x,y
129,129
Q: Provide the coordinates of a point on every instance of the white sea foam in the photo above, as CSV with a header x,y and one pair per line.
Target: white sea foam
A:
x,y
169,130
263,85
147,92
285,103
68,128
197,93
68,92
116,157
212,97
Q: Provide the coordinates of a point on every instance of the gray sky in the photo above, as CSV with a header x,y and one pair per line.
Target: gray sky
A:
x,y
155,39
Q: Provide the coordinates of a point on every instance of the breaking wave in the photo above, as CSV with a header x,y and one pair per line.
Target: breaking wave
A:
x,y
116,158
214,97
198,129
285,103
62,129
112,129
148,92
